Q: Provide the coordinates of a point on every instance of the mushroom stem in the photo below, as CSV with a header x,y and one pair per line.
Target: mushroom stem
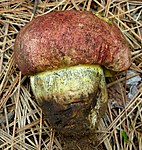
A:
x,y
73,98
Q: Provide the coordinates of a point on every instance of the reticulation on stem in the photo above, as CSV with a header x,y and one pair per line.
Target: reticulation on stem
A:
x,y
71,98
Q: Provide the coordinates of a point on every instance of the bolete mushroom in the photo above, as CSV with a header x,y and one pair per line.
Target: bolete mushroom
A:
x,y
63,52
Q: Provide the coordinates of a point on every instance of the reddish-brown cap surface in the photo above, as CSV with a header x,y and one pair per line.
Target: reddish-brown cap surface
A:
x,y
68,38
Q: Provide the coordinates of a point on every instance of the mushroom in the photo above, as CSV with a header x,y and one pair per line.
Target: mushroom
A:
x,y
63,53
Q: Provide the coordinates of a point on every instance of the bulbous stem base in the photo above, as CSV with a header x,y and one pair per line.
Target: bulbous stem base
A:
x,y
73,99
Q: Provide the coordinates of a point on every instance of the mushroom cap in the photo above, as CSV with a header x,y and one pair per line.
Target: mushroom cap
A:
x,y
68,38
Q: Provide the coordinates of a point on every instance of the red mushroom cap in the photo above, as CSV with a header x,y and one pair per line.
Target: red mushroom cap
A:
x,y
67,38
